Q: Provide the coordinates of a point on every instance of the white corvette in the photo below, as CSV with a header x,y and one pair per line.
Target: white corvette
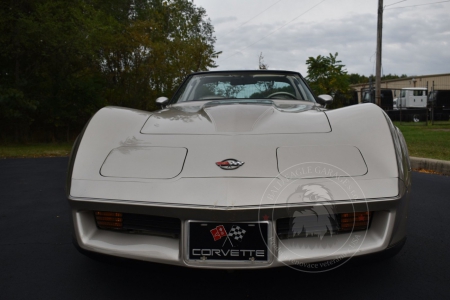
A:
x,y
240,169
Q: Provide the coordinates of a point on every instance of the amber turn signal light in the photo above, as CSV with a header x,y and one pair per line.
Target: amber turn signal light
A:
x,y
108,220
355,221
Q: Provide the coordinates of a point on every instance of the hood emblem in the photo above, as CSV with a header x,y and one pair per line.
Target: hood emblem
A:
x,y
229,164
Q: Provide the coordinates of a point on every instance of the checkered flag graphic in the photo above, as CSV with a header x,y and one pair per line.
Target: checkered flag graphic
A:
x,y
236,233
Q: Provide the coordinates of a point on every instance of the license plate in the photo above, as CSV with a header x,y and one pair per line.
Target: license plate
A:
x,y
228,241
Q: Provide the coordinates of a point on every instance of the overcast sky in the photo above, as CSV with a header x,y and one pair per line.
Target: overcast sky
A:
x,y
416,34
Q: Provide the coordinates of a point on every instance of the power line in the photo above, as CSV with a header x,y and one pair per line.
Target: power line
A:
x,y
395,3
254,17
273,31
249,21
418,5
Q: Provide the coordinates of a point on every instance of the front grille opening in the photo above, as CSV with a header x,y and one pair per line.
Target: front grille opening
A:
x,y
138,224
322,225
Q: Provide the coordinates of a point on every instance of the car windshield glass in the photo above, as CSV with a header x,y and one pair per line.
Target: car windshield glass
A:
x,y
245,85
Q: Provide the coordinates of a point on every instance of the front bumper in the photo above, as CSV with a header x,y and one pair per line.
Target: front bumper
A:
x,y
387,229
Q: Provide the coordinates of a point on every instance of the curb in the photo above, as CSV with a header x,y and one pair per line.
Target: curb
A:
x,y
438,166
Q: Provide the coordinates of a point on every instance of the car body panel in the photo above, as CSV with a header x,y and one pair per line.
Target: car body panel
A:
x,y
144,162
203,117
337,155
376,149
214,192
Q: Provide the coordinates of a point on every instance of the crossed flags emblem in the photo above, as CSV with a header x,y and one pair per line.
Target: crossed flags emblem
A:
x,y
236,234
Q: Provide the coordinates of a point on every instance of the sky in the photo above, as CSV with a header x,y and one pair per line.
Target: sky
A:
x,y
416,34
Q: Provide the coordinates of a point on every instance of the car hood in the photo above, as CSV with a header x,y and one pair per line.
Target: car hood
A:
x,y
240,117
114,161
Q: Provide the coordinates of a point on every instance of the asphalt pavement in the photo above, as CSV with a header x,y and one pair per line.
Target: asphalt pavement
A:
x,y
38,260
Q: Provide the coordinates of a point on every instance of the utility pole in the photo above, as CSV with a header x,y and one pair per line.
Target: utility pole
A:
x,y
379,40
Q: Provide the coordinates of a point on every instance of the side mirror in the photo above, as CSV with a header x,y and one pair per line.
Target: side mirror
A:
x,y
324,100
162,101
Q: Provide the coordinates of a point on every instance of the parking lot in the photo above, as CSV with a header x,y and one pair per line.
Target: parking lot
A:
x,y
39,261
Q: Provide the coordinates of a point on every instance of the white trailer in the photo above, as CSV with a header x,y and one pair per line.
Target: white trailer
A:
x,y
412,98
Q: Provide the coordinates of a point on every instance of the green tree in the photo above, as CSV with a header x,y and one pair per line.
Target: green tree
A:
x,y
393,76
60,63
154,46
44,64
326,75
355,78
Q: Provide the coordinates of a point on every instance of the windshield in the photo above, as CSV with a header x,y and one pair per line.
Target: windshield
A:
x,y
244,85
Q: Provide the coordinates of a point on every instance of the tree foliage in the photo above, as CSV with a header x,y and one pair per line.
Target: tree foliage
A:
x,y
261,63
393,76
326,75
61,62
356,78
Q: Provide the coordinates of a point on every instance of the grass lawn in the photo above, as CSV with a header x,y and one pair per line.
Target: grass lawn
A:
x,y
35,150
427,141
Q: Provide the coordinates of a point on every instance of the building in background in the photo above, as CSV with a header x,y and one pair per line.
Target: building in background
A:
x,y
431,82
